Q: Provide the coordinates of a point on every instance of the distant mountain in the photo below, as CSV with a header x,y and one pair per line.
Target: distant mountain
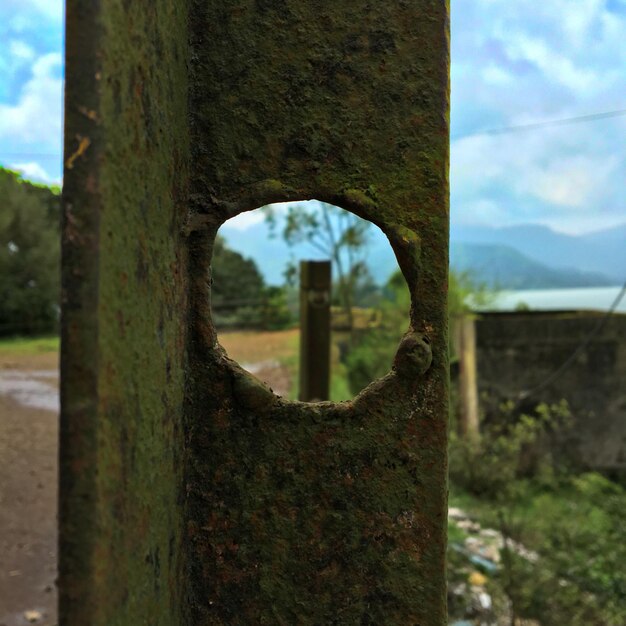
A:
x,y
503,267
520,257
612,237
602,251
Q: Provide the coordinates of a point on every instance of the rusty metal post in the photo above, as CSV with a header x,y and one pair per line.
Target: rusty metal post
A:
x,y
125,285
191,494
314,375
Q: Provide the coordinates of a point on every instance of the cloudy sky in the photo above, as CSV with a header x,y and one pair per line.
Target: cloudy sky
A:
x,y
514,63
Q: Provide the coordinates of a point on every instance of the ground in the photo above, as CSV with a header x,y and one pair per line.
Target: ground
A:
x,y
29,467
28,490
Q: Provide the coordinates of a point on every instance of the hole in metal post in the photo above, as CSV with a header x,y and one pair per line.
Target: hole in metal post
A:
x,y
288,277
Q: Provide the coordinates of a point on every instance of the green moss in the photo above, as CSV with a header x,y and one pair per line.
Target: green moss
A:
x,y
353,113
204,499
125,284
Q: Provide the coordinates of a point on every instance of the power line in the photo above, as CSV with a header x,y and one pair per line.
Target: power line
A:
x,y
582,346
592,117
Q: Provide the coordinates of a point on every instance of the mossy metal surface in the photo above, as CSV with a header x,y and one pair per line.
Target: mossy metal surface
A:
x,y
321,513
190,493
124,314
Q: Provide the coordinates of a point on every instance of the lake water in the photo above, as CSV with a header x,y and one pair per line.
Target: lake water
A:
x,y
586,298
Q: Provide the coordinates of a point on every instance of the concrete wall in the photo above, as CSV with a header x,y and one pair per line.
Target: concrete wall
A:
x,y
517,352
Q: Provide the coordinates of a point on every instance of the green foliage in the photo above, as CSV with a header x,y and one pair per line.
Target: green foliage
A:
x,y
574,524
372,353
29,256
492,466
234,278
239,295
464,295
276,311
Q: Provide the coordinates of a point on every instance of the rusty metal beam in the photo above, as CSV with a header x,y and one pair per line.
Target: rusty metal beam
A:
x,y
190,494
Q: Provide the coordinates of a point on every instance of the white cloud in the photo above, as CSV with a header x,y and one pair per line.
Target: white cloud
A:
x,y
24,12
552,63
560,174
582,223
36,117
33,171
21,51
243,221
573,182
578,23
484,212
496,75
523,62
49,8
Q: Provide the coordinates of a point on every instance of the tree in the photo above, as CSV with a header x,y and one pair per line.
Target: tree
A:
x,y
335,233
237,287
235,278
29,255
239,294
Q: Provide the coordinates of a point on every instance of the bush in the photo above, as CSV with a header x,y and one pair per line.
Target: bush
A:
x,y
489,466
371,353
276,312
29,256
573,523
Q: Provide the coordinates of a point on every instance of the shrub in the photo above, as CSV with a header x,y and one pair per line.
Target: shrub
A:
x,y
489,466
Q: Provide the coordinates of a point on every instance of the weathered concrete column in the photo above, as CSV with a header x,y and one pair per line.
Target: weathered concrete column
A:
x,y
190,494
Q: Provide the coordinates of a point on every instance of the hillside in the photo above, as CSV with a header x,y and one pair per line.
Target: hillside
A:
x,y
504,267
600,251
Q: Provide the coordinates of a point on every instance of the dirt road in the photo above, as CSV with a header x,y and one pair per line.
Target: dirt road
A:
x,y
29,473
28,489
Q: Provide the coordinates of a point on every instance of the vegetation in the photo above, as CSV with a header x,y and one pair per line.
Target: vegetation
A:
x,y
339,236
234,278
29,256
562,550
28,345
562,554
239,295
372,353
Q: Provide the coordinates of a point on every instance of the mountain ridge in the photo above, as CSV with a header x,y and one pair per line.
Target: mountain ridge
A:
x,y
515,257
599,251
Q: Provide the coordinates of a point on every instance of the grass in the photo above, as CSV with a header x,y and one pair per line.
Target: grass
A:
x,y
29,345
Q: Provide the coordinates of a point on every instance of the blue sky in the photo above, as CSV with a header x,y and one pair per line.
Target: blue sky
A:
x,y
514,62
